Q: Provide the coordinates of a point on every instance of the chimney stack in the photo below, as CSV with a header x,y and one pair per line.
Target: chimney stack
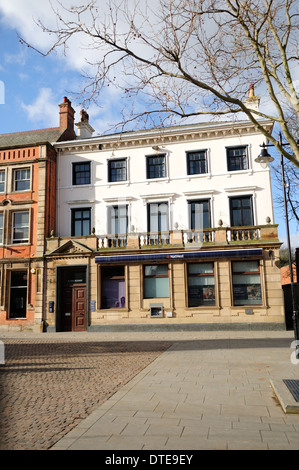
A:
x,y
84,128
67,118
252,101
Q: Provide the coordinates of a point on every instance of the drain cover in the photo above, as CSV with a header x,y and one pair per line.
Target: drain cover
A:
x,y
293,386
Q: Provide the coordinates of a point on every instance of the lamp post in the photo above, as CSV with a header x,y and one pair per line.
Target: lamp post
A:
x,y
264,157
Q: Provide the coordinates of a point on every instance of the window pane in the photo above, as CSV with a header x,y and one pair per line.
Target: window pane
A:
x,y
241,211
201,284
113,287
156,167
18,294
20,227
2,181
156,269
22,179
80,222
156,287
117,170
196,163
199,213
198,268
81,173
237,159
246,284
158,217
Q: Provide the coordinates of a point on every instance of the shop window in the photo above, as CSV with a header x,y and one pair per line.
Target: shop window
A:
x,y
246,283
156,281
113,290
18,294
201,284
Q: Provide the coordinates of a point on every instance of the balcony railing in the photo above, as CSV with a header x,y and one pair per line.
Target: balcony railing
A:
x,y
180,238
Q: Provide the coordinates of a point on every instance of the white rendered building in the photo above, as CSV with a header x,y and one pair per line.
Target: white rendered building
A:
x,y
170,226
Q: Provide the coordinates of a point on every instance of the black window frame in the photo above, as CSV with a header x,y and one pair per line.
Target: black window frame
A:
x,y
191,211
241,198
73,220
197,166
237,162
156,166
117,174
77,178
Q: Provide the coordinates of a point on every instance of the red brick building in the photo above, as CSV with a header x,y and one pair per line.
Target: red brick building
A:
x,y
27,217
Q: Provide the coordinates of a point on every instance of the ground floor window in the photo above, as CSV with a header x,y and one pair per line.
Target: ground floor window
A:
x,y
113,291
156,281
246,283
201,284
18,294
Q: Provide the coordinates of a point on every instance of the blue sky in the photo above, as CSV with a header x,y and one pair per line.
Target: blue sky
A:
x,y
32,86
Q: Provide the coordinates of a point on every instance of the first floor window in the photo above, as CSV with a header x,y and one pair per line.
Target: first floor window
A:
x,y
246,283
201,284
18,294
241,211
158,221
117,220
113,291
81,224
20,227
199,213
1,227
156,281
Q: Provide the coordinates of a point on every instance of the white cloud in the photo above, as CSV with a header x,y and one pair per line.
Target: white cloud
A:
x,y
44,109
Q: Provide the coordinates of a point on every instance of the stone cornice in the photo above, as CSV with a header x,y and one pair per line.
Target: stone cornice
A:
x,y
154,137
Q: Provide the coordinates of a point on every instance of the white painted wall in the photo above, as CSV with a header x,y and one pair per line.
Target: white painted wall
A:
x,y
218,184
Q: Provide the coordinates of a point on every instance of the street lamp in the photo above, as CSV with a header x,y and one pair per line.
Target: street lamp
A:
x,y
264,157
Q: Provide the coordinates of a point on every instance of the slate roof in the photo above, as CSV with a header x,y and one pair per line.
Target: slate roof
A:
x,y
27,138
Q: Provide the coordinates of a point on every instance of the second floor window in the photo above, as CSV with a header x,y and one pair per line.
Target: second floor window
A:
x,y
196,162
81,222
117,170
237,158
22,179
156,166
20,227
81,173
2,181
241,211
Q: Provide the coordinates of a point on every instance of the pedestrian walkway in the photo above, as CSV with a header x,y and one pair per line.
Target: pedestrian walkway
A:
x,y
209,390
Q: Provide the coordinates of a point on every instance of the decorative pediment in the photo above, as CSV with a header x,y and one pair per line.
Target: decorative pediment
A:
x,y
71,247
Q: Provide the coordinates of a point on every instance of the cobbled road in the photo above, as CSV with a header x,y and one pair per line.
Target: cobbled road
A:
x,y
48,386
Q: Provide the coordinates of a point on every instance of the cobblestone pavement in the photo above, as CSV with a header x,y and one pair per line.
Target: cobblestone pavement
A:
x,y
48,386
